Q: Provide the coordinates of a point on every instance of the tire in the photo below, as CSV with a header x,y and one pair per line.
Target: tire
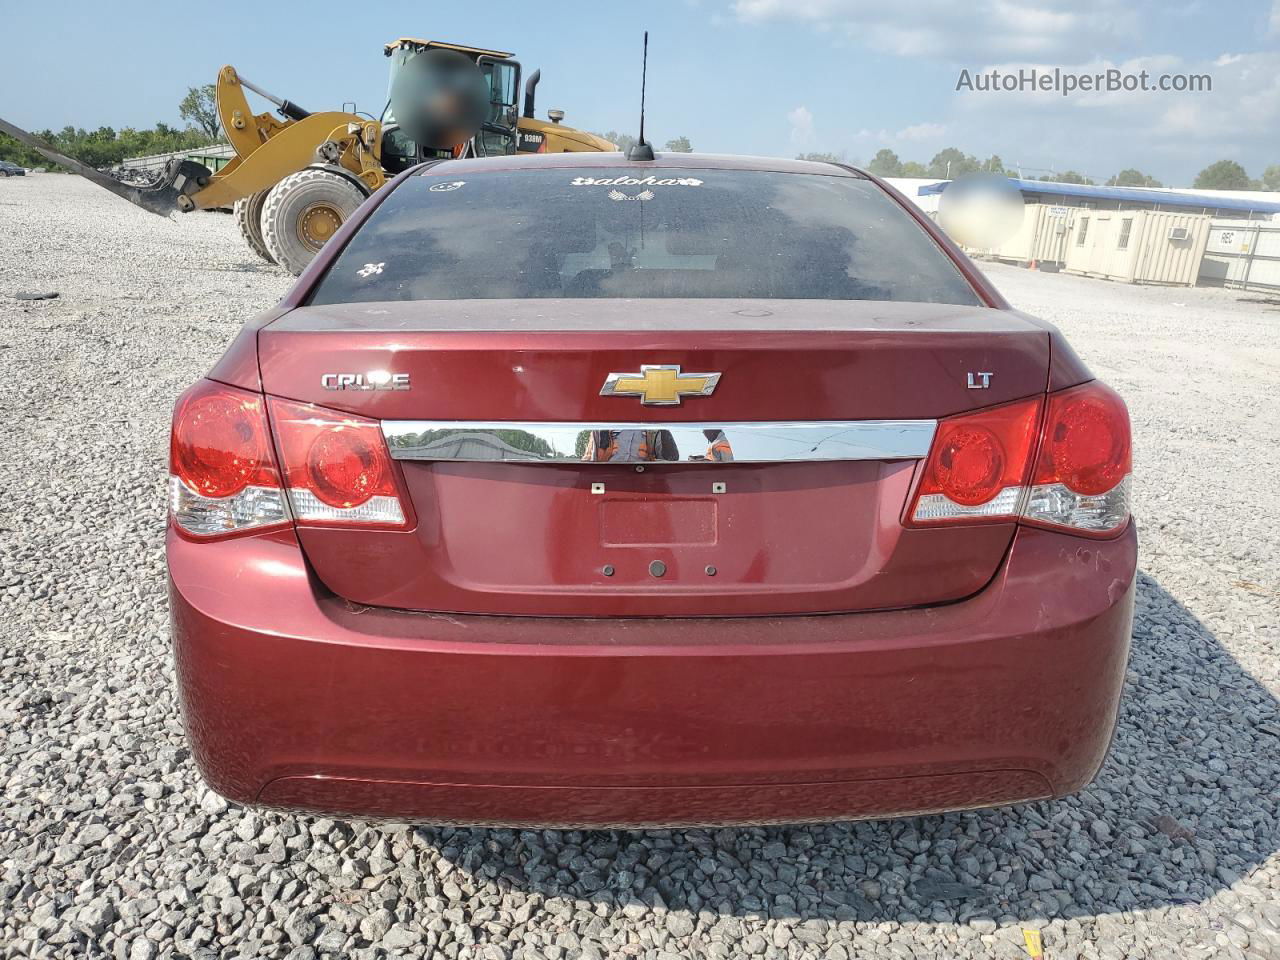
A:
x,y
304,210
248,213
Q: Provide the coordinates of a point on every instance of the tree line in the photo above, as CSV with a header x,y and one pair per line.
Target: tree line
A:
x,y
626,141
106,146
950,163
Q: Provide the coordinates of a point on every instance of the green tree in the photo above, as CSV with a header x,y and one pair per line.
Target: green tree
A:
x,y
1223,175
914,170
105,146
19,153
885,164
993,164
624,140
951,163
820,157
1133,178
1271,177
200,107
1068,176
680,145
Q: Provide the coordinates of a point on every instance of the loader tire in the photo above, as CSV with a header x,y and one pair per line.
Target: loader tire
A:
x,y
304,210
248,211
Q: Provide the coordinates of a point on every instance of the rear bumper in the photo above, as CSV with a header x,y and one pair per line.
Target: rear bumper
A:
x,y
296,699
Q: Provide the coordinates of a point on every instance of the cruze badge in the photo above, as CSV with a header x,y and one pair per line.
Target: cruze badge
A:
x,y
659,384
373,380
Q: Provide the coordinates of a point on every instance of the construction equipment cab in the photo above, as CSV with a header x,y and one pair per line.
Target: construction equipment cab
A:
x,y
507,129
297,176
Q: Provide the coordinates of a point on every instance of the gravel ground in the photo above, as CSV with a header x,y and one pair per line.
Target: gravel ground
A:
x,y
111,846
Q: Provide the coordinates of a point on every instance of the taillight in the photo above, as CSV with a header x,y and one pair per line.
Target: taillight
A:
x,y
336,467
1069,470
222,477
1081,479
977,467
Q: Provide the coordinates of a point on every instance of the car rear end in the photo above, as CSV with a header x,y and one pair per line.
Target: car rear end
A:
x,y
722,508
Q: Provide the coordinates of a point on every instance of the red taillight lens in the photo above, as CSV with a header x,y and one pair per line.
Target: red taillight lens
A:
x,y
978,465
344,468
222,477
969,465
336,467
219,441
1081,480
1086,444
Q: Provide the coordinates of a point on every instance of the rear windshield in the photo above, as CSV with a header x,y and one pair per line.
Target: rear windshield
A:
x,y
659,232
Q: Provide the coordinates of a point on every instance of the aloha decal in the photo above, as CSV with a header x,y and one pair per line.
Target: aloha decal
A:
x,y
625,181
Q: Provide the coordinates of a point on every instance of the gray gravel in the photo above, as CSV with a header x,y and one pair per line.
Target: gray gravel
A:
x,y
111,846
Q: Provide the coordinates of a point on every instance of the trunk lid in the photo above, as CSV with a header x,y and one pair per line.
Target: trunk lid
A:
x,y
691,537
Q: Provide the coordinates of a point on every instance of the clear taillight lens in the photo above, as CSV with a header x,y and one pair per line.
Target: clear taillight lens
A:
x,y
1054,504
222,477
1081,479
336,467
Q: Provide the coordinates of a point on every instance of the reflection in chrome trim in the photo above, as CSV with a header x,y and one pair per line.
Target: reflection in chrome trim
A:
x,y
750,442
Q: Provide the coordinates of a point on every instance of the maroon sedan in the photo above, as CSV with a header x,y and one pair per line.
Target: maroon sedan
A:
x,y
571,490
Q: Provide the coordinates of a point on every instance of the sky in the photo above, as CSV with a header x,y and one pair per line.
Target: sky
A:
x,y
774,77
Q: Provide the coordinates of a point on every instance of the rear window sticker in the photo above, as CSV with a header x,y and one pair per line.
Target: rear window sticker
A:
x,y
625,181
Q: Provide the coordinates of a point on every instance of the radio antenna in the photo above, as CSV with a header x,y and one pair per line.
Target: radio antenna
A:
x,y
641,150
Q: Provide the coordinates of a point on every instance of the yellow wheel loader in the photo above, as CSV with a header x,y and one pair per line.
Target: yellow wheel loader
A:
x,y
295,178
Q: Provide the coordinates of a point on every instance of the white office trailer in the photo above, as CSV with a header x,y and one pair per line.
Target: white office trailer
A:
x,y
1041,240
1137,246
1144,235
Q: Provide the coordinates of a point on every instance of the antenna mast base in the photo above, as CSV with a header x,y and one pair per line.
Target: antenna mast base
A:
x,y
641,150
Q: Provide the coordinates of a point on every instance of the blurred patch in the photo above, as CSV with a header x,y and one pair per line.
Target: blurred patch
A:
x,y
981,210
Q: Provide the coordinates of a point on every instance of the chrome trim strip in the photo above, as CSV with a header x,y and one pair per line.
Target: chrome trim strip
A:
x,y
750,442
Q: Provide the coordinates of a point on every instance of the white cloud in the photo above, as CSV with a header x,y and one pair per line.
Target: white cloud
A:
x,y
921,131
914,134
801,121
1100,132
959,32
1169,134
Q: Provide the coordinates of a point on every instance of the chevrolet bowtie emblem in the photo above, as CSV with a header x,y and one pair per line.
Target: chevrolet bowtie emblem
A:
x,y
659,384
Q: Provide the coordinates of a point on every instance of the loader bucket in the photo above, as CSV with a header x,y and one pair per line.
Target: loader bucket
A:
x,y
180,177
